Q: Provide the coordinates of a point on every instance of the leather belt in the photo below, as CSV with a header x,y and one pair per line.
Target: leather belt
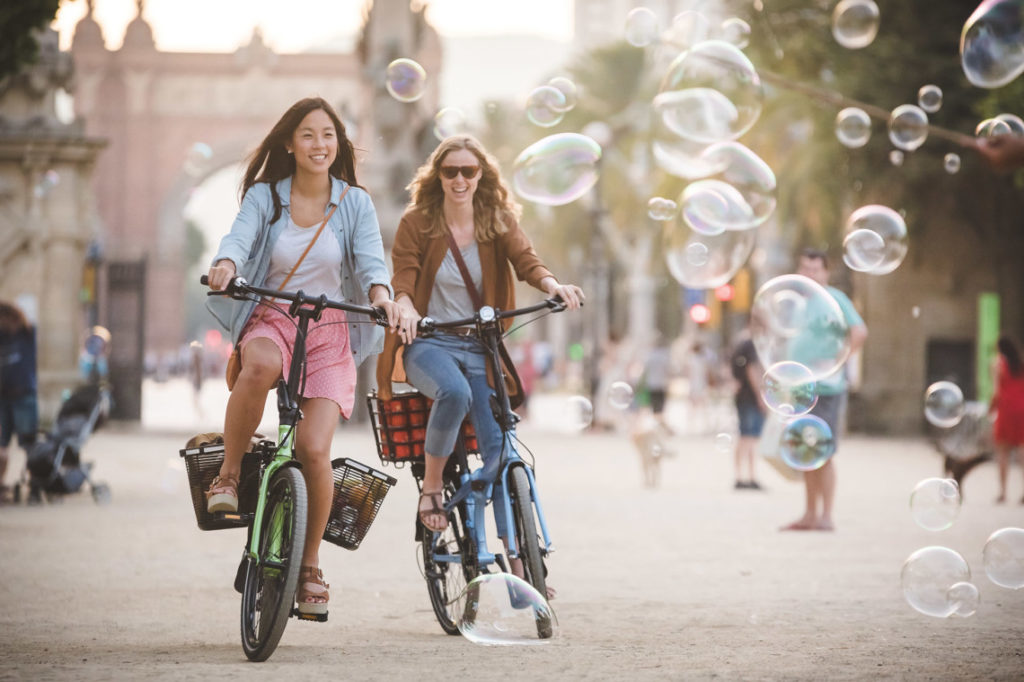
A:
x,y
456,331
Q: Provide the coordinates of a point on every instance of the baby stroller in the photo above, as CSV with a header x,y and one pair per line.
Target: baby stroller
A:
x,y
53,465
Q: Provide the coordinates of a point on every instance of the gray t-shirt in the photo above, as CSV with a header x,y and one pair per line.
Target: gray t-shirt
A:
x,y
449,299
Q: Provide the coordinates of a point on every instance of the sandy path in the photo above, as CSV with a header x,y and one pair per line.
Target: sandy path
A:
x,y
689,581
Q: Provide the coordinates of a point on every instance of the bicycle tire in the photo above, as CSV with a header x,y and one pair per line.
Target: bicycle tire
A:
x,y
527,542
445,581
272,578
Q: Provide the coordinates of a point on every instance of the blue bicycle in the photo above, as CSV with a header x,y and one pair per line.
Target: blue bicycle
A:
x,y
452,558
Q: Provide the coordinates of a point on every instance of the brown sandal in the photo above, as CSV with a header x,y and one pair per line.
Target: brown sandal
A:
x,y
312,588
434,509
222,495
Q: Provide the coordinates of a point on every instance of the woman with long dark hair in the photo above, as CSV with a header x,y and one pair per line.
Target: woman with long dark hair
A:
x,y
1008,405
19,407
300,178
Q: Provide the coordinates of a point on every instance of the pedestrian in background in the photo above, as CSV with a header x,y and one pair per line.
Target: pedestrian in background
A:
x,y
19,407
1008,406
750,409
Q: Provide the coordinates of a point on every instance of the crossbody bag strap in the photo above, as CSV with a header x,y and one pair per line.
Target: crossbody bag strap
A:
x,y
474,295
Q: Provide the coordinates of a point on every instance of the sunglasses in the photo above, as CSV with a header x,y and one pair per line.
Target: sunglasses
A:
x,y
468,172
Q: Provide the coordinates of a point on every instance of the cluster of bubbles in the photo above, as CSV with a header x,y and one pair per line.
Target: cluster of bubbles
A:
x,y
547,105
936,581
499,609
875,241
944,404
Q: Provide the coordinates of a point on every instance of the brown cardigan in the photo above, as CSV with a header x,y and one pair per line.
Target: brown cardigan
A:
x,y
417,257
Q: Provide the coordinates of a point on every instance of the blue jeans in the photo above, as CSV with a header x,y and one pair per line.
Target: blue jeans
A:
x,y
453,371
19,416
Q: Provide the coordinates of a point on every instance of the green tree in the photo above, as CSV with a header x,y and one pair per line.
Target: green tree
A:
x,y
19,19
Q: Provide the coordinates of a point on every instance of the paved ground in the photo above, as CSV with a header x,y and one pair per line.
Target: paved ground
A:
x,y
692,580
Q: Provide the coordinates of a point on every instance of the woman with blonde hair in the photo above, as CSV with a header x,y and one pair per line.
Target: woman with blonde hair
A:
x,y
455,250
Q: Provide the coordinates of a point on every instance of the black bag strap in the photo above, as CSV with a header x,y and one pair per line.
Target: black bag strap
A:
x,y
474,295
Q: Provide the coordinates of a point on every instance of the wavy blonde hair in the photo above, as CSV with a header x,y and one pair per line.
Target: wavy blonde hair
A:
x,y
494,209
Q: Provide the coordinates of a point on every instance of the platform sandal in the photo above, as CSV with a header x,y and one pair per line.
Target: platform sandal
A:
x,y
222,495
434,509
312,586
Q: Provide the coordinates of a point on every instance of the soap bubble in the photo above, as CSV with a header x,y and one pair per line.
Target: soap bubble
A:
x,y
708,206
710,93
951,162
503,610
964,598
992,127
405,80
927,578
1014,122
659,208
745,183
890,228
929,98
449,121
855,23
853,127
723,442
863,250
557,169
935,503
944,404
620,395
896,157
793,318
735,31
807,443
579,412
197,160
677,155
568,90
688,28
1003,558
789,389
545,106
641,27
992,43
908,127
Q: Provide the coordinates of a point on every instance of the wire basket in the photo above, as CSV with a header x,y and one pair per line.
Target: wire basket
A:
x,y
400,426
358,493
202,465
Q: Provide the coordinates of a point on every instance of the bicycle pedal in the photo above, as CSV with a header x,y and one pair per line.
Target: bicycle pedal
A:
x,y
317,617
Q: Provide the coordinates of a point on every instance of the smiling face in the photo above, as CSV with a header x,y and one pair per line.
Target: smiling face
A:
x,y
460,189
314,143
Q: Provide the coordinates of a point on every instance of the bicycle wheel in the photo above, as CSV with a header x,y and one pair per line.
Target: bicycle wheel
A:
x,y
271,579
526,540
449,564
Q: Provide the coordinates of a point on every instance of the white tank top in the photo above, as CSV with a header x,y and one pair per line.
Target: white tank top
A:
x,y
319,272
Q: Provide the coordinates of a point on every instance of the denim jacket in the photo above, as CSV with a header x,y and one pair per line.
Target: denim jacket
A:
x,y
251,241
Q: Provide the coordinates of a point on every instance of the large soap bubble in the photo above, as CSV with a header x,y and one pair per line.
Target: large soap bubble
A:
x,y
748,178
992,43
927,578
807,443
889,226
678,155
557,169
1003,558
641,27
855,23
503,610
935,503
735,31
863,250
710,93
405,80
449,121
944,404
789,389
793,318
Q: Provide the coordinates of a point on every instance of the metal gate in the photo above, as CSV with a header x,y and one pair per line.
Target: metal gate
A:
x,y
126,297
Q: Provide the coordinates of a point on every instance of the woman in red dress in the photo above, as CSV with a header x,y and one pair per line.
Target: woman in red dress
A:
x,y
1008,404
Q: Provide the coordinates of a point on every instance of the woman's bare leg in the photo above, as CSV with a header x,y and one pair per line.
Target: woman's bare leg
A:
x,y
261,369
313,448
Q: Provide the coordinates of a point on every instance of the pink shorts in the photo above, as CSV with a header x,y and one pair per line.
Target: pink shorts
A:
x,y
330,367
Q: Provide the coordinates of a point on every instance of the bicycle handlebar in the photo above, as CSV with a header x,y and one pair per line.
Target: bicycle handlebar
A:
x,y
488,315
238,288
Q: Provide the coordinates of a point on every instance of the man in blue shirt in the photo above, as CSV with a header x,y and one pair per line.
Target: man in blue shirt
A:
x,y
821,483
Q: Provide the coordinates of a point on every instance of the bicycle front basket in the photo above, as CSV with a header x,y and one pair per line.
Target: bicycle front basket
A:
x,y
358,493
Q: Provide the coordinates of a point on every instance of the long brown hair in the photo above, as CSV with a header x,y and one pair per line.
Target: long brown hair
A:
x,y
1008,349
271,162
494,209
12,320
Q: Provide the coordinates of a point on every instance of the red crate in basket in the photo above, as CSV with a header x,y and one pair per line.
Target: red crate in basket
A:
x,y
400,426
